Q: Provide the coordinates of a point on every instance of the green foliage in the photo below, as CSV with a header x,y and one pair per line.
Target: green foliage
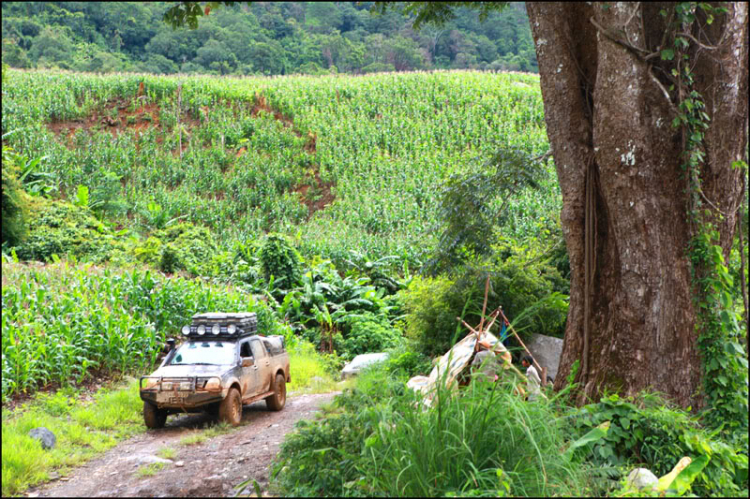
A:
x,y
404,362
13,202
472,205
244,170
369,333
524,284
648,432
373,443
432,306
280,261
260,38
57,228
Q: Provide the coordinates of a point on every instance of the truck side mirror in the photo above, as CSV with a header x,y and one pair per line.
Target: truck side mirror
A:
x,y
248,362
170,344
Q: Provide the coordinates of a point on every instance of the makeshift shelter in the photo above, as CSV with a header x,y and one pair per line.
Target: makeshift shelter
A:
x,y
453,363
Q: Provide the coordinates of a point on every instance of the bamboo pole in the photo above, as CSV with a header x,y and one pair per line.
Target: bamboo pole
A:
x,y
493,316
484,305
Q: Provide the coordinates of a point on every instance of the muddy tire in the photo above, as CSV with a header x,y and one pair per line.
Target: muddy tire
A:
x,y
276,401
230,410
153,416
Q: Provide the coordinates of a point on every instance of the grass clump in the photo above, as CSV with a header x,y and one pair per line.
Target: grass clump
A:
x,y
148,470
311,371
193,439
167,453
82,432
218,429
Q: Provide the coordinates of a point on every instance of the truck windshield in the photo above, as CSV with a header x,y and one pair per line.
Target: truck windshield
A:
x,y
205,353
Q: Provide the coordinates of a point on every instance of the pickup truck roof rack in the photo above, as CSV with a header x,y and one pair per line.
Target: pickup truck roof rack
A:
x,y
220,325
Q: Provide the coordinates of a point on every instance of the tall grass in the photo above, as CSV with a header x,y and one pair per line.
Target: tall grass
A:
x,y
378,440
475,442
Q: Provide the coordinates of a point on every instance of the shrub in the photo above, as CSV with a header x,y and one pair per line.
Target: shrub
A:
x,y
369,333
432,306
405,362
280,261
61,228
525,290
169,260
13,204
647,432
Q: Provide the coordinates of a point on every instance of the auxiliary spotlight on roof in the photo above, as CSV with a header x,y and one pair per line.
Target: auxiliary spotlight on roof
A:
x,y
222,325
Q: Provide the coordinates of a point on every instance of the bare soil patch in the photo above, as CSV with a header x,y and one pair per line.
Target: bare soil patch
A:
x,y
313,203
208,469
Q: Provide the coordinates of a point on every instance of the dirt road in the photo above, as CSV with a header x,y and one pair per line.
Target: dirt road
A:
x,y
208,468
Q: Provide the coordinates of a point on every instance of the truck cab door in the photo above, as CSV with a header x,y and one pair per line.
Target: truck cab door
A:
x,y
250,380
263,362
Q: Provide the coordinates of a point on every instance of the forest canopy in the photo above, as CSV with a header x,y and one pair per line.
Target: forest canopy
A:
x,y
263,38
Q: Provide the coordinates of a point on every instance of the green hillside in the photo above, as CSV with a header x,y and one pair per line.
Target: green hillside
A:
x,y
341,163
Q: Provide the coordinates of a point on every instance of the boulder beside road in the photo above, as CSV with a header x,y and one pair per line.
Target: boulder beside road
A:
x,y
45,437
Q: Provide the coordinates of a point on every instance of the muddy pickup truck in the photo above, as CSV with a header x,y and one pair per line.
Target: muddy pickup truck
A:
x,y
222,365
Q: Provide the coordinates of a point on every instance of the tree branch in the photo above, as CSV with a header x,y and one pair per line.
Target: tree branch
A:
x,y
638,52
694,39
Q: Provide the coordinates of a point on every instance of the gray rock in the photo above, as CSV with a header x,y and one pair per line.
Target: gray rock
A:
x,y
360,362
546,351
640,478
46,437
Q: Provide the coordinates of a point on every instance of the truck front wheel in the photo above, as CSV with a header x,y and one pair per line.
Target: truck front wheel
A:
x,y
230,410
153,416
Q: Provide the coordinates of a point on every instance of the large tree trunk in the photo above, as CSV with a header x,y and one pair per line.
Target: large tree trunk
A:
x,y
608,114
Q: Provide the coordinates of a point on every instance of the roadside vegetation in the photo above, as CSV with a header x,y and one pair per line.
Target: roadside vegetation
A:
x,y
485,440
82,430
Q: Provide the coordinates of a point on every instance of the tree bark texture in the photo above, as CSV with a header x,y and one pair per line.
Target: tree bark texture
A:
x,y
608,113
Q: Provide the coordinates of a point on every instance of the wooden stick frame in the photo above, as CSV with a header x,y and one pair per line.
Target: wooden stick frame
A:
x,y
536,364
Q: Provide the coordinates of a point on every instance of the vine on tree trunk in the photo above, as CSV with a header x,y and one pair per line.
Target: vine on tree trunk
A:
x,y
723,357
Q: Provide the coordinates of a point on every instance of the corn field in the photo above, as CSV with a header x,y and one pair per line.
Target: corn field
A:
x,y
62,325
343,162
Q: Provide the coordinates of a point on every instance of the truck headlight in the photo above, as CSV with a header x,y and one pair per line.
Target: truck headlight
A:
x,y
201,330
186,330
213,384
216,329
166,385
232,329
186,386
150,384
